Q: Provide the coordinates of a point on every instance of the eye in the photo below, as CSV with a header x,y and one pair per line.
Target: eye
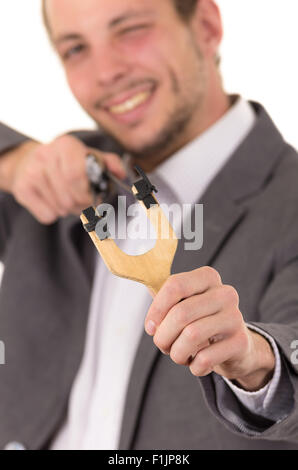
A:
x,y
73,51
133,29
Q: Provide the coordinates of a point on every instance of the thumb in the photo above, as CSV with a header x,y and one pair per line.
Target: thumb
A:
x,y
110,161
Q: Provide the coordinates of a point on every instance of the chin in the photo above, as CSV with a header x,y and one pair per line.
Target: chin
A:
x,y
136,139
136,143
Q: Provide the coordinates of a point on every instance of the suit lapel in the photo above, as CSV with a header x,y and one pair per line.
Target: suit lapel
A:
x,y
243,174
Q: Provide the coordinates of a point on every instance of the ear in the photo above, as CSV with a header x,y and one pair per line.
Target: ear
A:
x,y
207,27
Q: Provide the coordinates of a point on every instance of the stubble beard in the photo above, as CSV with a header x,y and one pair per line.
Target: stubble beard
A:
x,y
173,135
169,138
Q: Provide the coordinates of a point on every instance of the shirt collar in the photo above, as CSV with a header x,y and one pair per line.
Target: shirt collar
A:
x,y
188,172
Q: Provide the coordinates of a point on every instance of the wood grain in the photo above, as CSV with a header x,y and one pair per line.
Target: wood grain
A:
x,y
152,268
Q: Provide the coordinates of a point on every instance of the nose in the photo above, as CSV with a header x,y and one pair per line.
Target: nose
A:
x,y
109,65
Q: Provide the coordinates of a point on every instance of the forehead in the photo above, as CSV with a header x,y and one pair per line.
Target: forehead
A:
x,y
81,15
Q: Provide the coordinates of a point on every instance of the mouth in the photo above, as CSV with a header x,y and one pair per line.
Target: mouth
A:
x,y
132,105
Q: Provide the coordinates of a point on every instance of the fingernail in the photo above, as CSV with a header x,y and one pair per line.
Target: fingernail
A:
x,y
150,328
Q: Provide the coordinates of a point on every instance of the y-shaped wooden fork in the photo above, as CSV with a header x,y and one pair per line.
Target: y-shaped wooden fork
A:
x,y
152,268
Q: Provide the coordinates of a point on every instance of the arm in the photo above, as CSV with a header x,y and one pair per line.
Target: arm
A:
x,y
278,318
266,401
12,146
50,181
191,307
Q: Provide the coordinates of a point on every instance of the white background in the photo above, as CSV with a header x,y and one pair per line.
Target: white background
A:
x,y
259,61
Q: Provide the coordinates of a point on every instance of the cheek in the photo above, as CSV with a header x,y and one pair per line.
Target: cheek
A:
x,y
80,87
149,52
164,59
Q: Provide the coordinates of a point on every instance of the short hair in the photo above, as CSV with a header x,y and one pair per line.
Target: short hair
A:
x,y
185,9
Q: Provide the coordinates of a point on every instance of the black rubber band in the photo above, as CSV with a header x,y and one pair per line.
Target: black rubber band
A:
x,y
145,189
92,218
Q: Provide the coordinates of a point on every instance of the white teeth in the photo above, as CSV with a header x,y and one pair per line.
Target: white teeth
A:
x,y
130,104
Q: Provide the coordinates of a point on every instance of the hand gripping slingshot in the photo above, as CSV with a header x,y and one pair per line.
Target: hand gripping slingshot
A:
x,y
152,268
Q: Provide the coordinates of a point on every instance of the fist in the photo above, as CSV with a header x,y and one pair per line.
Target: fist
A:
x,y
196,320
51,181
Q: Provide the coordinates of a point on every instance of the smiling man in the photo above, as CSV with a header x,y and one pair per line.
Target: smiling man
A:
x,y
151,93
213,369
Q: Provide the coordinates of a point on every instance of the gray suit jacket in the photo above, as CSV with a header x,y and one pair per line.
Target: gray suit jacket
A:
x,y
250,237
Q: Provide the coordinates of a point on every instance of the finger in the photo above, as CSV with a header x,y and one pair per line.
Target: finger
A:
x,y
71,159
44,191
73,173
198,333
185,313
112,161
33,201
59,186
176,288
216,355
75,194
79,190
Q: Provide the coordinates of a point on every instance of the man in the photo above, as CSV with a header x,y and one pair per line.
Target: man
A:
x,y
219,371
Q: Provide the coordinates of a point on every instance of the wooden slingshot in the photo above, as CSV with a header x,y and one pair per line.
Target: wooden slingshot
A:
x,y
151,268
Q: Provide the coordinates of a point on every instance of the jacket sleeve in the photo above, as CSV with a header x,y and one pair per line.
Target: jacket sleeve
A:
x,y
10,138
278,314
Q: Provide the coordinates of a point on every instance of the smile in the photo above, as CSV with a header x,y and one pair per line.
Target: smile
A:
x,y
131,103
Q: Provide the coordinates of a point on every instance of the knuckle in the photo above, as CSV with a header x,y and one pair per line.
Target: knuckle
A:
x,y
155,311
66,140
212,274
217,294
194,370
159,343
230,294
236,316
72,174
176,357
202,365
180,314
191,333
173,286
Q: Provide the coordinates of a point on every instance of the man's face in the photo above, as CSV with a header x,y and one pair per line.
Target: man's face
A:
x,y
134,66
